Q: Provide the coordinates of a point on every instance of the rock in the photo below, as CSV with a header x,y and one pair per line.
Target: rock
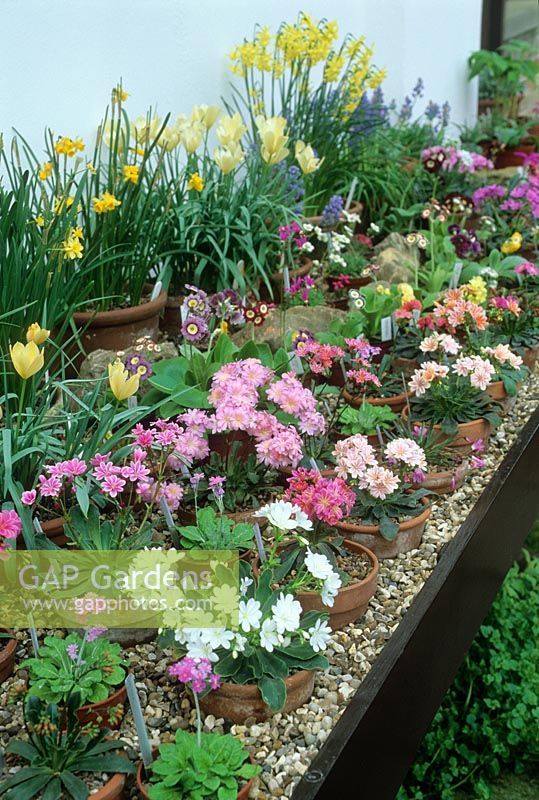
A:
x,y
397,259
316,319
95,364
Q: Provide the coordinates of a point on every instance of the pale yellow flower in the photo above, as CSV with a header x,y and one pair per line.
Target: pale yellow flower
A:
x,y
36,333
114,134
227,158
230,129
406,292
273,147
306,158
191,136
145,129
169,138
26,358
205,115
122,385
119,95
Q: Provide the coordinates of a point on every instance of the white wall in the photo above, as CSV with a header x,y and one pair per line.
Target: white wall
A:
x,y
60,58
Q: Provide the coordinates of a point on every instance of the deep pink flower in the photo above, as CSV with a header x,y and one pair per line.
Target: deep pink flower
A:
x,y
10,524
112,485
29,498
49,487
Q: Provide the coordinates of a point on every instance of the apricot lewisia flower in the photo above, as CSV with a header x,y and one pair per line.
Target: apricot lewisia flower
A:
x,y
36,333
107,202
68,147
131,173
122,384
195,182
512,244
26,358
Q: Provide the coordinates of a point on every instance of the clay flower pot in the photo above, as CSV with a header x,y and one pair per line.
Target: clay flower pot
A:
x,y
239,702
497,391
445,481
407,538
53,530
171,320
355,208
118,329
467,434
113,789
352,600
8,649
98,712
276,279
530,355
243,793
509,158
395,403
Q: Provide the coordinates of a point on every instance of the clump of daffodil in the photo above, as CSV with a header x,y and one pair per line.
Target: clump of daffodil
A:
x,y
122,384
68,147
306,158
512,244
273,139
227,158
26,358
195,182
36,333
63,204
107,202
45,171
72,246
476,290
131,173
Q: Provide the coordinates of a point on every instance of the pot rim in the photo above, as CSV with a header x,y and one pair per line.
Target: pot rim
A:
x,y
8,651
251,690
371,577
403,526
462,425
394,400
121,316
112,789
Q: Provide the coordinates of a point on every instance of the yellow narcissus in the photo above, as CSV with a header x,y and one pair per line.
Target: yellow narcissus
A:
x,y
122,385
306,158
230,130
229,157
27,358
271,129
36,333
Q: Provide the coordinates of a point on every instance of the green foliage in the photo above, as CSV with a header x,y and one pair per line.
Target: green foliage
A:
x,y
55,675
215,769
489,719
216,532
451,401
387,513
90,532
55,757
504,73
365,419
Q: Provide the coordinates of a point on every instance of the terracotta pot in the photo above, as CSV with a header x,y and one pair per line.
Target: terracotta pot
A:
x,y
509,157
385,348
8,649
112,790
53,530
238,703
530,355
171,320
446,481
351,600
355,283
355,208
395,403
467,434
118,329
221,443
497,391
408,537
94,711
187,516
406,365
243,793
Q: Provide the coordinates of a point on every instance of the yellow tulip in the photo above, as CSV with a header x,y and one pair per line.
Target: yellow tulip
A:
x,y
145,129
271,130
170,137
230,130
122,385
27,358
37,334
228,157
306,158
206,115
191,136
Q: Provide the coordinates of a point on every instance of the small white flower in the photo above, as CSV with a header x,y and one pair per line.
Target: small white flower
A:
x,y
285,516
318,565
244,585
200,650
249,614
269,638
217,637
286,613
239,645
319,635
330,589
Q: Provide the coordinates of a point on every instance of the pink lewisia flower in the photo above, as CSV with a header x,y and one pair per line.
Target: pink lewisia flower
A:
x,y
380,482
10,524
29,498
113,485
75,466
478,446
477,463
526,268
49,487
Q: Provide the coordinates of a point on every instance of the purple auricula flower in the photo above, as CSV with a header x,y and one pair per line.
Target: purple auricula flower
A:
x,y
195,329
73,651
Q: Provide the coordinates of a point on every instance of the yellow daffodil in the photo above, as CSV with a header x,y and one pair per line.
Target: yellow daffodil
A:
x,y
73,248
406,292
107,202
37,334
227,158
122,384
205,115
131,173
40,220
45,171
63,203
90,167
476,290
27,358
68,147
76,233
119,95
271,130
512,244
195,182
333,67
230,130
306,158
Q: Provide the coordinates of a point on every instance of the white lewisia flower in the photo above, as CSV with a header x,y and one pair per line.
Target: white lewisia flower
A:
x,y
319,635
285,516
286,613
239,645
330,587
318,565
218,637
269,638
244,585
200,649
249,614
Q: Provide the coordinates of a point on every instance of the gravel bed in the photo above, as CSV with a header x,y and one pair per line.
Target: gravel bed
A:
x,y
285,745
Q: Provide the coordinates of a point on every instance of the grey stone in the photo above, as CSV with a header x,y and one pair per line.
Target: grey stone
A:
x,y
397,259
316,319
95,364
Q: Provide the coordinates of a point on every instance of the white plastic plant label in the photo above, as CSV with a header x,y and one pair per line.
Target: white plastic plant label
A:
x,y
386,329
